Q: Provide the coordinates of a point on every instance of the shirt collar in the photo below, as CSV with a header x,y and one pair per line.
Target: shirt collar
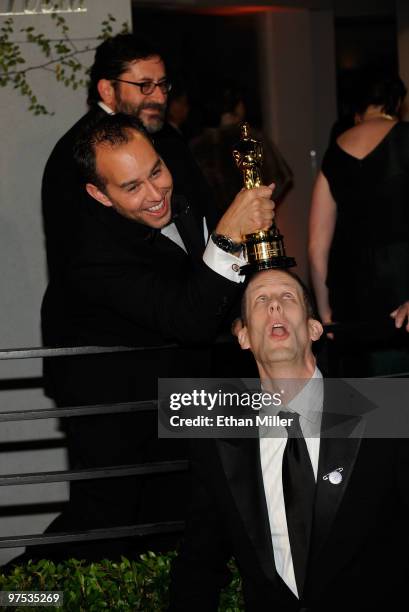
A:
x,y
309,401
106,108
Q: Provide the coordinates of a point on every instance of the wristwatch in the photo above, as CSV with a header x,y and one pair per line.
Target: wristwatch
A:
x,y
226,244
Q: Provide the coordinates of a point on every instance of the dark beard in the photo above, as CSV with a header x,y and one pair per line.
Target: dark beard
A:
x,y
153,125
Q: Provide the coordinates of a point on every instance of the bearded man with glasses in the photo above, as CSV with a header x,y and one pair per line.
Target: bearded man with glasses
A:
x,y
152,112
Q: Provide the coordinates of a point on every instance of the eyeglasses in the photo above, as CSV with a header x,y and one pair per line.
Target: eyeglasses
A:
x,y
148,87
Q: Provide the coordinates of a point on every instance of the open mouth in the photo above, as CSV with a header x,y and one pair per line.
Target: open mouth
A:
x,y
158,209
279,330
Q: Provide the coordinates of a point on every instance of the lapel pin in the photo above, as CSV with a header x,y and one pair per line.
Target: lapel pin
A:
x,y
335,477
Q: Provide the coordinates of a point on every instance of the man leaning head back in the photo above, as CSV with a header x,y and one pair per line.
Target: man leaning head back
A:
x,y
279,326
129,76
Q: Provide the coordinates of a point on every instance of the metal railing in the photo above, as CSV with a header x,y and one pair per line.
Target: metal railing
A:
x,y
163,467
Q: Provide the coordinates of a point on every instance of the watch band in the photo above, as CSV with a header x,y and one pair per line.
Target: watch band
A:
x,y
225,243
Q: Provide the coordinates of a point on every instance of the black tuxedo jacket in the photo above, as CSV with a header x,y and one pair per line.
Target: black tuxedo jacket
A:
x,y
358,553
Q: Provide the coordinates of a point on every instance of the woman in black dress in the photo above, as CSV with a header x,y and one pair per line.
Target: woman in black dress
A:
x,y
359,220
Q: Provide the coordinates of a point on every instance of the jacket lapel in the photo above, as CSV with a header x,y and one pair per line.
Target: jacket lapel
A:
x,y
341,433
241,462
189,227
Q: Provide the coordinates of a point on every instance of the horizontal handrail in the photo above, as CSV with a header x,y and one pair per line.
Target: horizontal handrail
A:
x,y
22,509
93,534
56,413
379,328
71,351
162,467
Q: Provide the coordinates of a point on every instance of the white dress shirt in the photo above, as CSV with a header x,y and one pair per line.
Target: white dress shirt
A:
x,y
308,404
225,264
219,261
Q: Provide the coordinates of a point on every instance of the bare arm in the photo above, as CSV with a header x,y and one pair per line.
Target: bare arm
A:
x,y
401,314
323,217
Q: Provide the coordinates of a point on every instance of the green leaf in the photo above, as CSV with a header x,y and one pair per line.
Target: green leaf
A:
x,y
57,53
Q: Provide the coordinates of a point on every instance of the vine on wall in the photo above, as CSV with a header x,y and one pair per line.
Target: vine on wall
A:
x,y
62,57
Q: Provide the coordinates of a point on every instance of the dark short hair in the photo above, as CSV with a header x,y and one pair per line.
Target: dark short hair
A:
x,y
380,86
113,56
111,129
308,302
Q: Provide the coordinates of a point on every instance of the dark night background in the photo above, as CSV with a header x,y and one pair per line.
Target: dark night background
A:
x,y
207,47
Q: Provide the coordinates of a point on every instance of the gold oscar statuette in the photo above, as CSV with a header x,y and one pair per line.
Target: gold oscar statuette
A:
x,y
264,249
